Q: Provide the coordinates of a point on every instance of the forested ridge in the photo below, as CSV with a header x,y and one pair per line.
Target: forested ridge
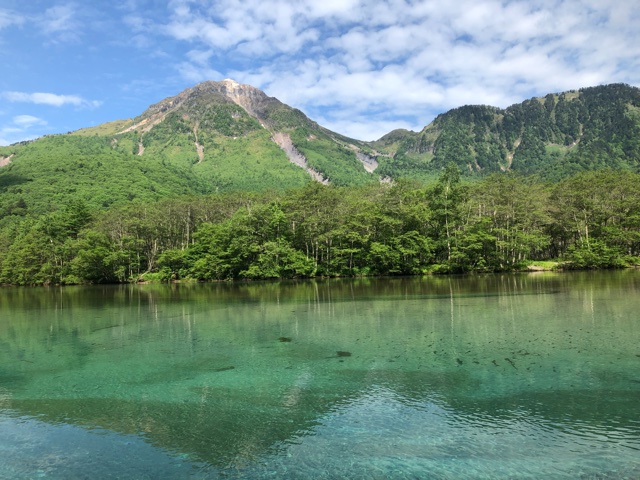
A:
x,y
222,137
554,136
500,223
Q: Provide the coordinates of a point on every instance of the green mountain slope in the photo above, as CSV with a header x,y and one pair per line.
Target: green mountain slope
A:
x,y
554,136
214,137
237,138
55,169
225,137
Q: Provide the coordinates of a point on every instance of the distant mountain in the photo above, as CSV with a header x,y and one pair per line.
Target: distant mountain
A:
x,y
554,136
213,137
224,136
221,126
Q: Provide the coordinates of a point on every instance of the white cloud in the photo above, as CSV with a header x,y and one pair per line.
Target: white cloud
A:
x,y
50,99
61,23
59,18
197,73
21,128
27,121
358,61
9,18
137,23
365,127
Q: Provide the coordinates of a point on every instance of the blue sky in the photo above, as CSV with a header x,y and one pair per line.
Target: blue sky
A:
x,y
361,68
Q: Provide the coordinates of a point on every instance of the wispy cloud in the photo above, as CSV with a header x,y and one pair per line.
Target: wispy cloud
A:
x,y
50,99
58,24
21,128
414,58
27,121
9,18
61,23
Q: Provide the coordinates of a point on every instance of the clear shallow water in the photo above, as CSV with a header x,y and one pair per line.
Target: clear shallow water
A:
x,y
516,376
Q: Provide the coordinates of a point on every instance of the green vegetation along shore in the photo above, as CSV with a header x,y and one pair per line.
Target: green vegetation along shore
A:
x,y
503,222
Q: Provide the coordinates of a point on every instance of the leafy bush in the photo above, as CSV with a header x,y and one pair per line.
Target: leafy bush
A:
x,y
594,255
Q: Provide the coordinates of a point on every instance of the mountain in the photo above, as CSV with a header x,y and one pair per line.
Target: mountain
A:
x,y
221,126
224,137
213,137
554,136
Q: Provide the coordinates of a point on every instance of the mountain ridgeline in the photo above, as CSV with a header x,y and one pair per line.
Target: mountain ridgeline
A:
x,y
213,137
234,134
228,137
555,136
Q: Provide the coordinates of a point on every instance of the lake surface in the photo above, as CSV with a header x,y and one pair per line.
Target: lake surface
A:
x,y
514,376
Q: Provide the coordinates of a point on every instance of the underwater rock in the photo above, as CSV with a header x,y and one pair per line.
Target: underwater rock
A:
x,y
459,361
223,369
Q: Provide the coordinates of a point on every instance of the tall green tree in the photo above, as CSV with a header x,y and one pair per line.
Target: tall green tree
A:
x,y
447,201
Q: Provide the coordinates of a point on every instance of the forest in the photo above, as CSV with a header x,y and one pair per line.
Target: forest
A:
x,y
502,222
552,137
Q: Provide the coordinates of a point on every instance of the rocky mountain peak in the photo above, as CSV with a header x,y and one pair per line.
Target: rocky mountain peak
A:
x,y
245,96
248,97
230,82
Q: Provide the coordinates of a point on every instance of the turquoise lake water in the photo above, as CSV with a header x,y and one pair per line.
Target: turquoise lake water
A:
x,y
500,376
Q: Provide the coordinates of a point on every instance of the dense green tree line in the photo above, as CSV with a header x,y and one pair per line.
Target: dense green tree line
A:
x,y
501,223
